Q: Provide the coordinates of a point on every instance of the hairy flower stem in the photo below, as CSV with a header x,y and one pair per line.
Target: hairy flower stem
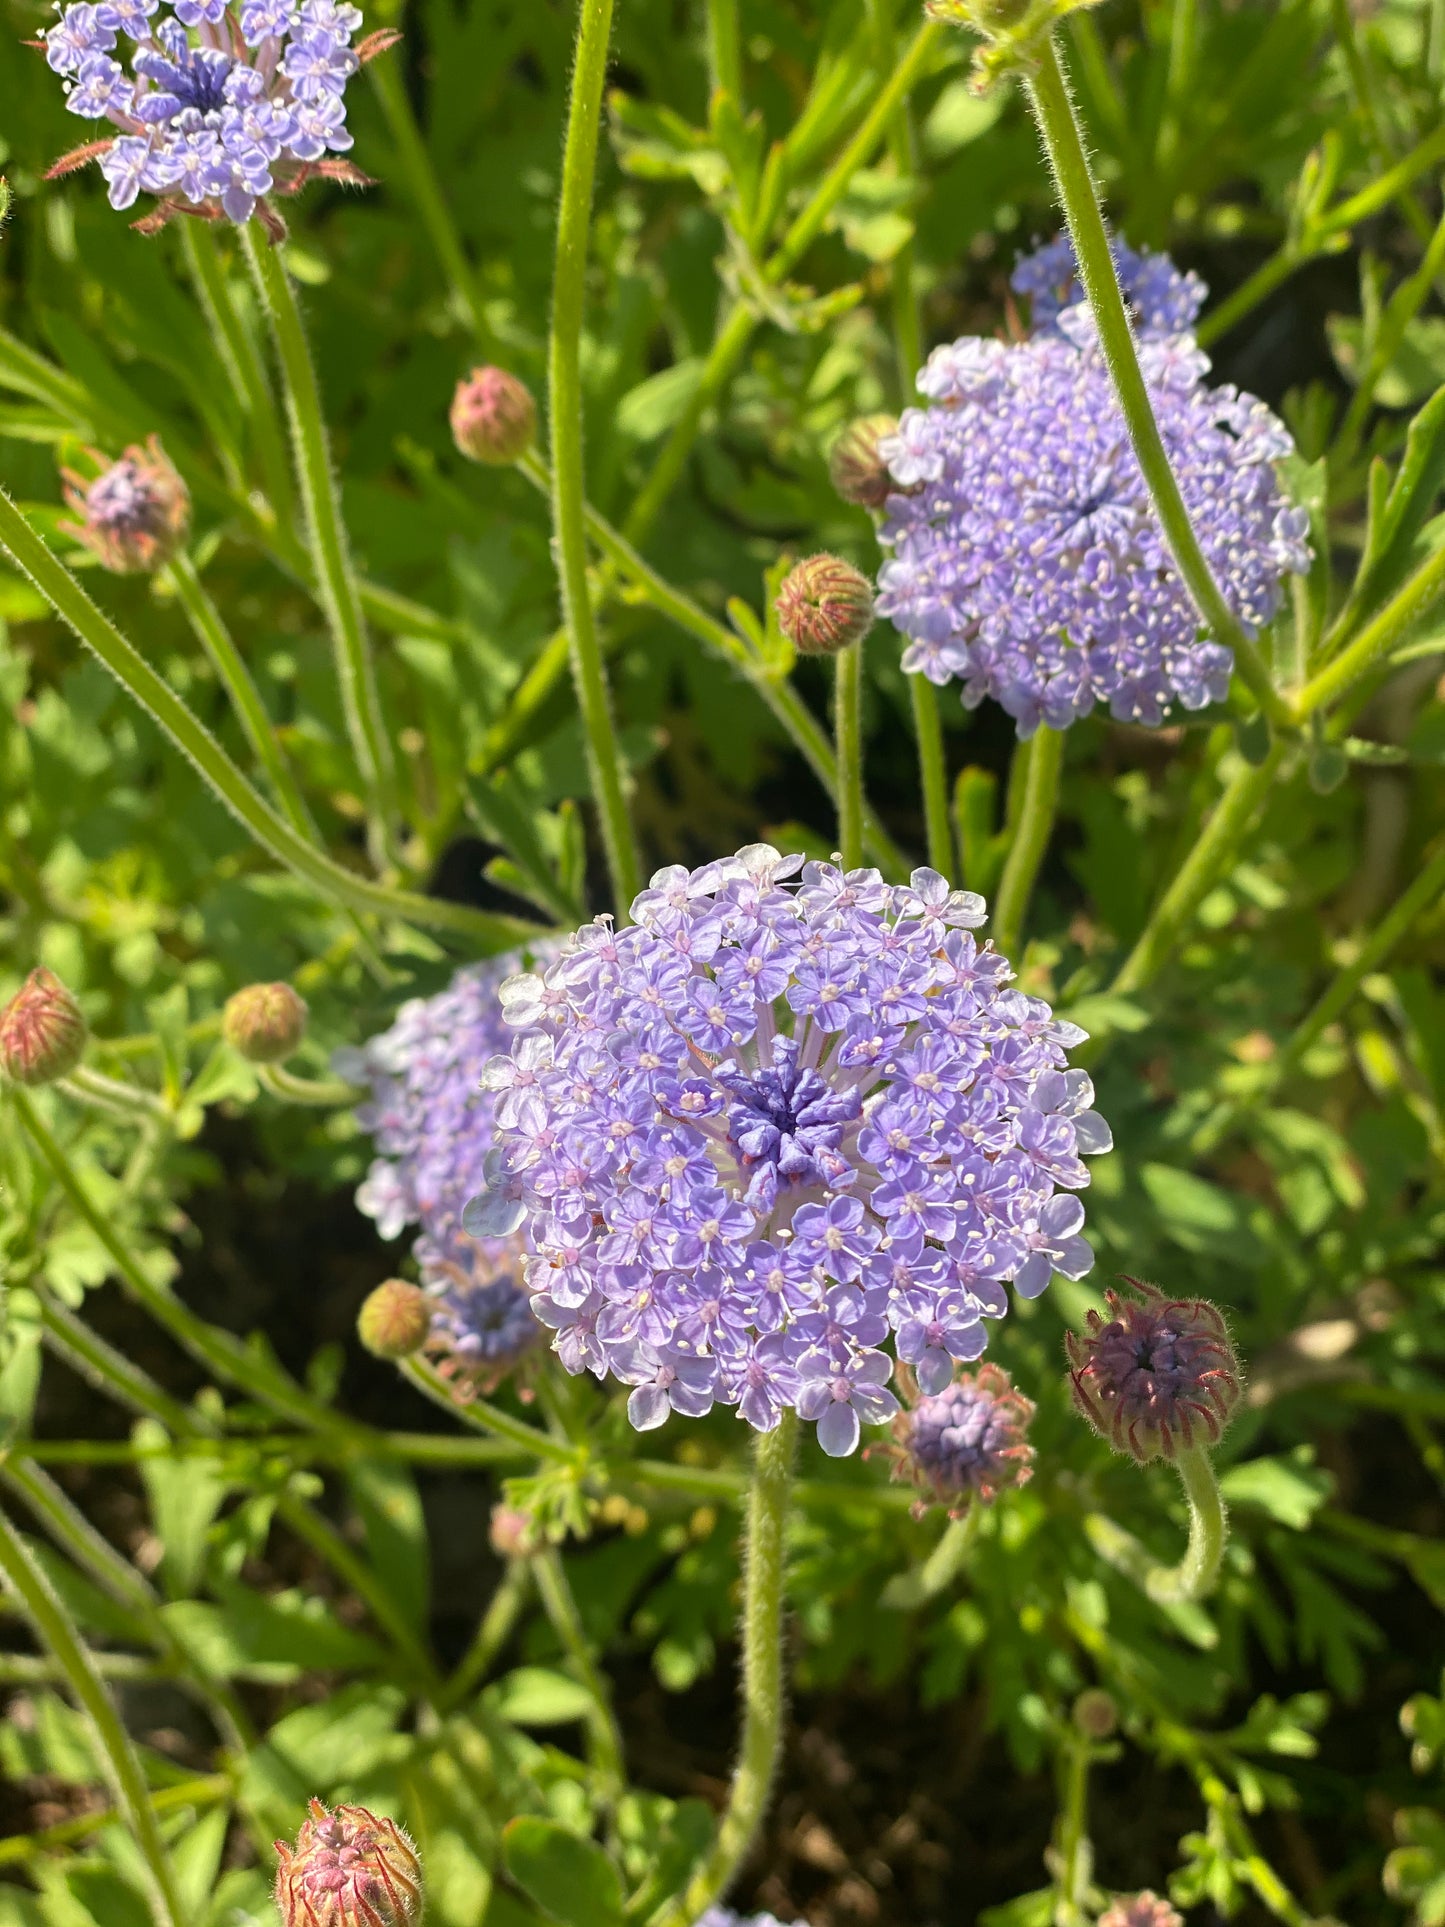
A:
x,y
323,1093
1044,755
603,1737
57,1633
485,933
226,659
1063,143
764,1567
848,728
330,549
1197,1573
564,412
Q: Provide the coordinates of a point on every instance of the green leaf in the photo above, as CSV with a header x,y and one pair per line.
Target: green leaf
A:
x,y
536,1696
651,408
385,1495
1197,1215
569,1878
185,1496
273,1637
1291,1490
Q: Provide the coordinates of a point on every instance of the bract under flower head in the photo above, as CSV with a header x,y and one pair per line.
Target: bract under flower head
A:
x,y
218,103
348,1868
1028,563
774,1123
1157,1375
1160,298
967,1441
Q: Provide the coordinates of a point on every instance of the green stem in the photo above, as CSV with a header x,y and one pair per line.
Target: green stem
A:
x,y
111,1094
503,1611
1216,847
1075,1853
228,663
1045,759
330,550
605,1740
1063,143
764,1574
136,676
207,1790
106,1369
323,1093
118,1757
1409,298
1197,1573
485,1417
724,48
569,525
1377,638
848,728
932,773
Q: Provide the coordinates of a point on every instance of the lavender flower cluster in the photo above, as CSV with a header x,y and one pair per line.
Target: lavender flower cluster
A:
x,y
776,1121
223,102
1027,559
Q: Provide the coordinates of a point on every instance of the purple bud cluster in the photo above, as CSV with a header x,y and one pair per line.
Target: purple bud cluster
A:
x,y
777,1122
1028,563
222,100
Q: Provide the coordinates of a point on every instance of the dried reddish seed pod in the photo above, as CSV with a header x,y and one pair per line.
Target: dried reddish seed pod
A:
x,y
42,1031
493,417
1157,1375
824,605
348,1868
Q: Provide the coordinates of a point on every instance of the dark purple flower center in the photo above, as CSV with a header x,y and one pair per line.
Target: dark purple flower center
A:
x,y
788,1117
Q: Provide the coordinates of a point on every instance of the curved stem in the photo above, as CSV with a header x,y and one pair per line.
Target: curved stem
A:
x,y
493,1631
1045,752
484,1417
605,1741
323,1093
111,1094
118,1757
765,1557
330,550
569,288
1390,626
141,682
848,728
1197,1573
228,663
1063,143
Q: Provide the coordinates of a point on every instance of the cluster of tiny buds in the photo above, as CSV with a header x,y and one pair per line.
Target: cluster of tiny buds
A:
x,y
1158,1375
824,605
514,1534
134,514
42,1031
395,1320
1145,1909
493,417
856,465
349,1868
968,1441
264,1022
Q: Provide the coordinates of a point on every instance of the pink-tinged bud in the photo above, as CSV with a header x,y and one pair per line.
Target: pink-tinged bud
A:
x,y
493,416
42,1031
135,514
514,1533
1140,1910
824,605
350,1868
855,467
967,1442
264,1022
395,1320
1157,1375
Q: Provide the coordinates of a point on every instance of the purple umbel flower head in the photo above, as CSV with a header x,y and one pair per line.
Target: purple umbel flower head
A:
x,y
1157,1375
967,1441
1028,563
1161,300
776,1121
219,103
433,1124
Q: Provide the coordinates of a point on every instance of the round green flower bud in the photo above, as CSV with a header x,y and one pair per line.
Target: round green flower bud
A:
x,y
824,605
855,467
42,1031
1095,1714
493,417
264,1022
395,1320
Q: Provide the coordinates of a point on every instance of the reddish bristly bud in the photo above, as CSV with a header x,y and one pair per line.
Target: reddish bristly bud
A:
x,y
395,1320
135,514
350,1868
824,605
855,467
513,1533
493,416
967,1442
1157,1376
1141,1910
42,1031
264,1022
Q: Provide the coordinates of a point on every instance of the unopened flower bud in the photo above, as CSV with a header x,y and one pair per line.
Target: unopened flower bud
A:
x,y
513,1533
824,605
1140,1910
264,1022
968,1441
493,416
855,467
1095,1714
1157,1375
42,1031
135,514
395,1320
349,1868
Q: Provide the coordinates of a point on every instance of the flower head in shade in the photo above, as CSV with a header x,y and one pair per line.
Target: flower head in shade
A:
x,y
134,514
1027,562
43,1031
1140,1910
348,1868
1157,1375
1160,299
482,1325
968,1441
781,1120
218,104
